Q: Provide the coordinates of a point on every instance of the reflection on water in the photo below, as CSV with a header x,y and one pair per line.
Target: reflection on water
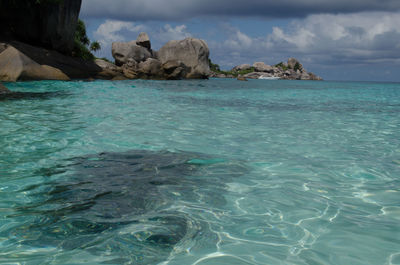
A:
x,y
131,204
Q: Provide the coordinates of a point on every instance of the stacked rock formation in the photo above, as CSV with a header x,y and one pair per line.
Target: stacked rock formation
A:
x,y
183,59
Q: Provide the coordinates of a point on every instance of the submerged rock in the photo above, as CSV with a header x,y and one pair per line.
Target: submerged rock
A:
x,y
133,197
193,53
14,65
4,90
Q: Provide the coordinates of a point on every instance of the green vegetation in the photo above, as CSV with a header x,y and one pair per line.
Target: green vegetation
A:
x,y
297,67
82,43
282,66
95,46
216,69
105,59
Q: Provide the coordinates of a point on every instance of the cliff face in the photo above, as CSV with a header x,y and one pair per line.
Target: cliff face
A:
x,y
50,23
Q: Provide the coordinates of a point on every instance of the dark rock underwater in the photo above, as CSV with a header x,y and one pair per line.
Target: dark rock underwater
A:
x,y
136,200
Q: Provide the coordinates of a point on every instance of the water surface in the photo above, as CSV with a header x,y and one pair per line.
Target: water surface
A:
x,y
200,172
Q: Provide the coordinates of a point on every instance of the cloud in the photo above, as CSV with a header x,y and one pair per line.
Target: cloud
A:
x,y
349,38
119,31
344,39
111,30
169,32
175,10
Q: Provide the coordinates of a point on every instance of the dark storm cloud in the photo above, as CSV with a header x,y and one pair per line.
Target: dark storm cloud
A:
x,y
186,9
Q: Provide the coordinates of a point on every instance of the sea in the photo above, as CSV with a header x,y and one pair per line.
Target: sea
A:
x,y
200,172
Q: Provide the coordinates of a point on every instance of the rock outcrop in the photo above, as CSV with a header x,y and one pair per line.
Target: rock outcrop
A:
x,y
144,40
242,67
14,65
293,63
193,53
187,58
292,70
74,68
122,51
175,70
109,70
50,24
262,67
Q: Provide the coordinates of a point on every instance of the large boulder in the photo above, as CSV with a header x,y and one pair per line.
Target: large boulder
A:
x,y
122,51
293,63
253,75
74,68
109,70
143,40
242,67
175,70
193,53
3,47
130,69
49,24
14,65
151,68
262,67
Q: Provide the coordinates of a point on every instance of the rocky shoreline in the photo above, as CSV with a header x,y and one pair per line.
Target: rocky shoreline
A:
x,y
39,41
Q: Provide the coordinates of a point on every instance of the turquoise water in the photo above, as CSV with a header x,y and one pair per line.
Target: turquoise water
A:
x,y
200,172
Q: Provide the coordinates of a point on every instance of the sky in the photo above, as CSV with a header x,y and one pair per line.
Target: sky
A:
x,y
356,40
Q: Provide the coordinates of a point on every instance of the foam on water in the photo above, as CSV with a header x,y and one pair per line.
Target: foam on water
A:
x,y
200,172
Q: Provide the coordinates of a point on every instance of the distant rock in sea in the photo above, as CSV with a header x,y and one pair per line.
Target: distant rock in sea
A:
x,y
292,70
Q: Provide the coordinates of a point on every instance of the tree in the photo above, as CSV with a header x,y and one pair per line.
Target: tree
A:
x,y
80,33
95,46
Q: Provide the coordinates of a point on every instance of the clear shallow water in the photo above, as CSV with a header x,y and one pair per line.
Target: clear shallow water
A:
x,y
200,172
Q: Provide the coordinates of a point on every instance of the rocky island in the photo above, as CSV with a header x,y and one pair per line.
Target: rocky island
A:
x,y
292,70
45,40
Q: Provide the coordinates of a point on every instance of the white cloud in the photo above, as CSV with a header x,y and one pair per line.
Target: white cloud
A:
x,y
110,31
114,31
359,39
362,35
169,32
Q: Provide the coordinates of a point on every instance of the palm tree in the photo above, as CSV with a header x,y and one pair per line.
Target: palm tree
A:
x,y
95,46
